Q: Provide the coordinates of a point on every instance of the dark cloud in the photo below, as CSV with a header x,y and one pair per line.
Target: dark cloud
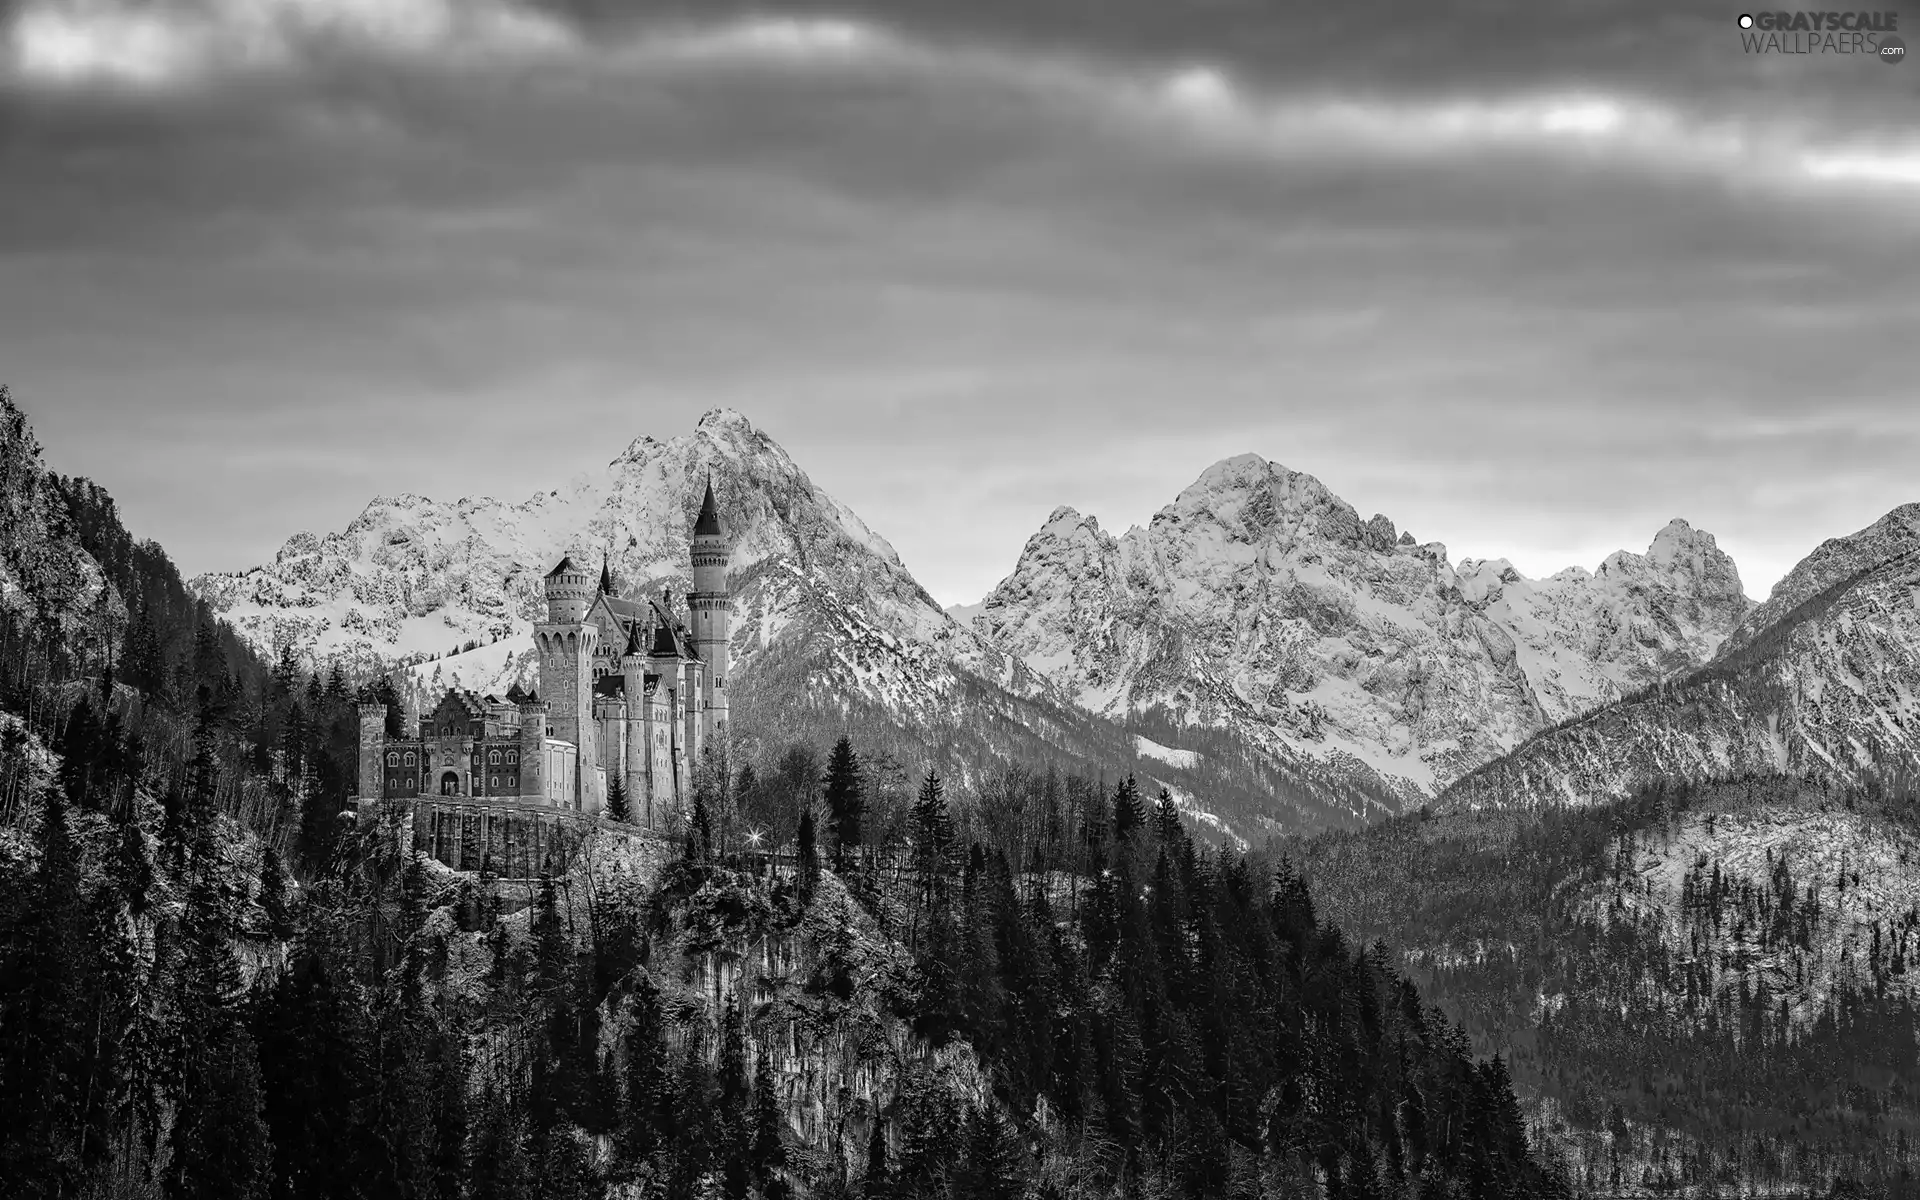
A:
x,y
1530,279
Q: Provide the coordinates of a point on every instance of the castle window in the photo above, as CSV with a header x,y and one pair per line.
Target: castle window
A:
x,y
513,781
513,756
393,760
494,782
493,756
446,731
409,758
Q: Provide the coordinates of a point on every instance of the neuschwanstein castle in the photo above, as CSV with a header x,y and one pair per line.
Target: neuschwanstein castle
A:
x,y
627,690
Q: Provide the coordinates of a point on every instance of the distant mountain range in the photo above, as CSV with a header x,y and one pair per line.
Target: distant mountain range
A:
x,y
1257,638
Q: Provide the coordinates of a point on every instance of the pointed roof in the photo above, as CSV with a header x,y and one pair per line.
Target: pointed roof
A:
x,y
606,577
566,565
708,522
636,643
663,643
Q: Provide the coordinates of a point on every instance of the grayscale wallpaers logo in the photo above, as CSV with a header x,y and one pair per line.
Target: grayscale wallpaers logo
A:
x,y
1869,34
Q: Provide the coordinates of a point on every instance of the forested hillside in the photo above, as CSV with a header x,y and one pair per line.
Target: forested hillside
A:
x,y
1701,986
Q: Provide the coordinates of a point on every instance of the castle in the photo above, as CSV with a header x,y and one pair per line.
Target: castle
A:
x,y
627,692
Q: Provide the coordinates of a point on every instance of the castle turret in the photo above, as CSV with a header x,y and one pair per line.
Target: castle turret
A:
x,y
710,606
534,714
373,746
566,642
570,592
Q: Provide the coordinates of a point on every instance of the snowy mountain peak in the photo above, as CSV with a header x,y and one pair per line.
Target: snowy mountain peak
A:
x,y
1260,600
725,419
1687,561
411,577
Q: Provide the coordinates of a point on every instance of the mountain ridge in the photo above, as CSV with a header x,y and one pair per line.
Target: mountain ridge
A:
x,y
1824,679
1260,598
830,630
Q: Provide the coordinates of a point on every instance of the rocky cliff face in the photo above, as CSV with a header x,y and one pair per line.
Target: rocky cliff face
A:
x,y
47,576
1259,599
1823,679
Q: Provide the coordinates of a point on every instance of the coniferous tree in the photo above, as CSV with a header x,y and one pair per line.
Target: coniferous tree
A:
x,y
314,1075
874,1183
809,854
404,1150
733,1120
845,793
1129,814
563,1171
617,807
41,1016
221,1148
450,1118
646,1124
500,1168
140,665
273,895
769,1150
932,836
1166,818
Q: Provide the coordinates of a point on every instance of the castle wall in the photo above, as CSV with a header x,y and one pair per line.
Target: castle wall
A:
x,y
561,771
511,842
690,681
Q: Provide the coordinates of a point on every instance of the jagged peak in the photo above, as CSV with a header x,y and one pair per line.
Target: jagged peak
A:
x,y
724,418
1067,515
639,447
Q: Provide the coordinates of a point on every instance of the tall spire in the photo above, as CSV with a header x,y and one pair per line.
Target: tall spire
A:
x,y
606,576
709,520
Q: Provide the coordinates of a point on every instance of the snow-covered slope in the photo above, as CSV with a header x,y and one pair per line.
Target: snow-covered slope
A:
x,y
1261,601
1829,683
413,577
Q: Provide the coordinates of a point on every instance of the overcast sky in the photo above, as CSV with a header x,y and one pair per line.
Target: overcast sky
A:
x,y
1531,277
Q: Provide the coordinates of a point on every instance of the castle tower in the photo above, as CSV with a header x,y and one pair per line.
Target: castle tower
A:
x,y
633,671
566,642
373,746
711,608
534,715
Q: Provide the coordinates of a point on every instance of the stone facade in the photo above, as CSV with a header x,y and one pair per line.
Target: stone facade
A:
x,y
627,690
